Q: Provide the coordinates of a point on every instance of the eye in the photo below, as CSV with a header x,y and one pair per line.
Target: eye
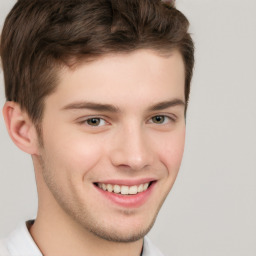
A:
x,y
95,121
161,119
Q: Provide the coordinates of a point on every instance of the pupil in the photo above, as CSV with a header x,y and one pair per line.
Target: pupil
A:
x,y
159,119
93,121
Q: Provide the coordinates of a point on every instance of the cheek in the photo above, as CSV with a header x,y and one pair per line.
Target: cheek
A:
x,y
172,152
72,154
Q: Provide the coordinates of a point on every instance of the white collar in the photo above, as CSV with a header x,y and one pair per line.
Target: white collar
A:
x,y
20,242
149,248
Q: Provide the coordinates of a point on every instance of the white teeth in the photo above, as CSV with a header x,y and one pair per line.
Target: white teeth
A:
x,y
133,190
124,190
117,189
145,186
104,187
109,188
140,188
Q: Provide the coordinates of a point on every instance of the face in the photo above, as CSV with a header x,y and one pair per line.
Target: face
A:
x,y
113,140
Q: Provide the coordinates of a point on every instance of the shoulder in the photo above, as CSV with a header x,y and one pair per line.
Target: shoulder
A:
x,y
149,249
3,249
19,243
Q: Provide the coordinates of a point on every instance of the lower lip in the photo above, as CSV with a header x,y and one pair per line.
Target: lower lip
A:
x,y
128,201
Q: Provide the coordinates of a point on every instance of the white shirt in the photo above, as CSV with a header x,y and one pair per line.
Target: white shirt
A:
x,y
20,243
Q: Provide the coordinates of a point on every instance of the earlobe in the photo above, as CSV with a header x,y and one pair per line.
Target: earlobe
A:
x,y
20,128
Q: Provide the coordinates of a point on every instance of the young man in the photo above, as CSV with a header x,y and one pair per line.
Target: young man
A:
x,y
96,93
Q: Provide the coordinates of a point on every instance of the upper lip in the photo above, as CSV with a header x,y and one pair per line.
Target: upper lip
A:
x,y
126,182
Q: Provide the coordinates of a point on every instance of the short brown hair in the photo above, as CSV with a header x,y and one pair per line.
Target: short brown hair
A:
x,y
41,36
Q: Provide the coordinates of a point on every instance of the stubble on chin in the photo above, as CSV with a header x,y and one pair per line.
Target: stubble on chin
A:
x,y
85,219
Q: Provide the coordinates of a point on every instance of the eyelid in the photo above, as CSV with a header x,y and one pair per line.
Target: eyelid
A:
x,y
83,120
170,117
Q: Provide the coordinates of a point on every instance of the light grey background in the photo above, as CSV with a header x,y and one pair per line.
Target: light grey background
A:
x,y
212,207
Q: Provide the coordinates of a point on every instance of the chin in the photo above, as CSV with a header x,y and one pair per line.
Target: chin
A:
x,y
122,236
127,229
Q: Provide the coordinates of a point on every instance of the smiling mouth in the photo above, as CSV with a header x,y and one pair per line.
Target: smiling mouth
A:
x,y
124,190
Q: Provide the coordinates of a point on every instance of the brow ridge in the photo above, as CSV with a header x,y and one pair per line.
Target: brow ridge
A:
x,y
111,108
91,106
167,104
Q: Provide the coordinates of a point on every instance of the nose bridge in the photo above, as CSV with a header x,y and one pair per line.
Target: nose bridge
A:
x,y
132,149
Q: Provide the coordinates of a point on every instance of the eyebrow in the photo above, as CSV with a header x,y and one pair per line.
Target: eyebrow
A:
x,y
111,108
167,104
92,106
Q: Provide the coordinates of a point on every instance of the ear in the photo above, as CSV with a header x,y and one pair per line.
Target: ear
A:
x,y
20,128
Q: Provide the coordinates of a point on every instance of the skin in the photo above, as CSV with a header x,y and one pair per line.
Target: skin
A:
x,y
128,143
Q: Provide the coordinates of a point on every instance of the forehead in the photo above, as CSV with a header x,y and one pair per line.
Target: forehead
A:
x,y
143,74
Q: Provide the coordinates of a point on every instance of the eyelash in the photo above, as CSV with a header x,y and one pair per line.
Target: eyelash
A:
x,y
95,118
167,119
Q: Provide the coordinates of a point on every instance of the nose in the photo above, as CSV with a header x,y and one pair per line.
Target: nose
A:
x,y
131,149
